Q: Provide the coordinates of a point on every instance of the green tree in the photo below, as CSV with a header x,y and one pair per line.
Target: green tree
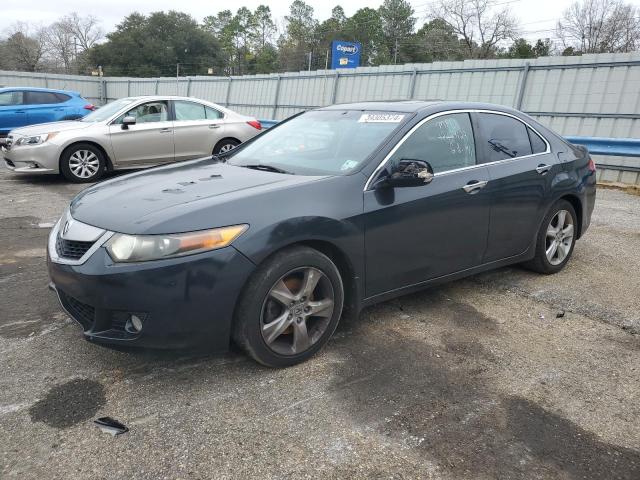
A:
x,y
521,49
365,26
331,29
152,45
397,24
435,41
543,48
300,39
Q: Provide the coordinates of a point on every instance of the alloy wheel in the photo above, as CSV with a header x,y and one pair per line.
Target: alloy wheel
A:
x,y
559,237
227,147
84,163
297,311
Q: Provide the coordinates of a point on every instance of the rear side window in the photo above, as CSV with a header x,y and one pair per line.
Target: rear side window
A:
x,y
212,113
446,142
43,98
537,143
189,111
504,137
10,98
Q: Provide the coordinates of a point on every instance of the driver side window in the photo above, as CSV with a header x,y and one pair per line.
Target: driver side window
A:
x,y
148,113
446,142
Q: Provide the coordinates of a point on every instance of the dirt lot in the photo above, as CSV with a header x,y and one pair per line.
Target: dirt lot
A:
x,y
476,379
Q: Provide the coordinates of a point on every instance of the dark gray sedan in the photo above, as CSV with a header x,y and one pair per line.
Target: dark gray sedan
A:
x,y
330,211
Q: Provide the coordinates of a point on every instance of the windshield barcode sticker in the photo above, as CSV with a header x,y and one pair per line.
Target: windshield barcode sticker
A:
x,y
380,118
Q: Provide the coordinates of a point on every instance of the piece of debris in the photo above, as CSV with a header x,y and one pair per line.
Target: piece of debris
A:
x,y
560,314
111,426
541,316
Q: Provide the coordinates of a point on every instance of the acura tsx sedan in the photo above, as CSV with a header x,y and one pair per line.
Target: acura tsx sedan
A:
x,y
134,132
332,210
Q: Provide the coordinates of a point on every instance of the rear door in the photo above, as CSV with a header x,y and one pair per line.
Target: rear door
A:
x,y
197,128
12,111
43,107
521,168
149,141
414,234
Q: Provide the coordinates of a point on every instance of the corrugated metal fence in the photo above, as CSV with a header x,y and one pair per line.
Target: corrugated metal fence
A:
x,y
590,95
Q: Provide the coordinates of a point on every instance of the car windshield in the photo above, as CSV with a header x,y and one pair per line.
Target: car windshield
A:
x,y
106,112
320,142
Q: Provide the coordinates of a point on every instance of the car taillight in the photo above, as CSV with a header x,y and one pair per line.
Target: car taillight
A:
x,y
591,165
255,124
89,106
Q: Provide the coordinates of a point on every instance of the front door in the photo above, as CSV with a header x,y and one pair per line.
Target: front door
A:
x,y
197,129
149,141
414,234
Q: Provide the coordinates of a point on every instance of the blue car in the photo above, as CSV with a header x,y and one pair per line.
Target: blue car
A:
x,y
27,106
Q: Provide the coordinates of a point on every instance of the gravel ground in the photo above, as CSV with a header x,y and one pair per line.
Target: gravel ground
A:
x,y
476,379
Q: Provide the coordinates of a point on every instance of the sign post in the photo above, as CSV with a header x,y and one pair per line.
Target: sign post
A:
x,y
345,54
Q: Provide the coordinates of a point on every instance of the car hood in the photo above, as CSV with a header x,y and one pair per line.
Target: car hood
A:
x,y
177,198
51,127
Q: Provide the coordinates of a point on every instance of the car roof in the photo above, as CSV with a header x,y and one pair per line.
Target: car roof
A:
x,y
38,89
414,106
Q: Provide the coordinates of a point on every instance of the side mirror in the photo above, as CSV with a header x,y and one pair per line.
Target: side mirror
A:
x,y
126,121
409,173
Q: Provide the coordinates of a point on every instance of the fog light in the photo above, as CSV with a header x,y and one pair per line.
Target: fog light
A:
x,y
134,324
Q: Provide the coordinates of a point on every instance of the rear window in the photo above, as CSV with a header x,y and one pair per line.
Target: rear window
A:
x,y
504,137
45,98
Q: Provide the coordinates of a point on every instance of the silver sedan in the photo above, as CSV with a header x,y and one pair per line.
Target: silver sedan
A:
x,y
133,132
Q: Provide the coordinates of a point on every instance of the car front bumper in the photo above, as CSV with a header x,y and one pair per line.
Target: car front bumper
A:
x,y
32,159
182,302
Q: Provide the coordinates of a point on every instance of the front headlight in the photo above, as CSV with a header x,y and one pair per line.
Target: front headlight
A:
x,y
35,139
141,248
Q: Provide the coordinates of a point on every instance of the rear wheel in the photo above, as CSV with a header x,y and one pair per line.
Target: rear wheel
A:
x,y
555,240
82,163
225,145
290,307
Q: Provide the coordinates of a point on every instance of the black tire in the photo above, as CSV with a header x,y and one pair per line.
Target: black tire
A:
x,y
96,168
540,263
255,298
225,145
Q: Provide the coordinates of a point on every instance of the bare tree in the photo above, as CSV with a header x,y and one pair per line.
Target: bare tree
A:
x,y
60,44
24,47
85,30
599,26
481,26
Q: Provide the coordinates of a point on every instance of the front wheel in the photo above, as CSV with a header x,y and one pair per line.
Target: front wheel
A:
x,y
82,163
556,239
290,307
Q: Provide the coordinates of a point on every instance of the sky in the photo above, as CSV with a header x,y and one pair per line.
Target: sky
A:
x,y
537,17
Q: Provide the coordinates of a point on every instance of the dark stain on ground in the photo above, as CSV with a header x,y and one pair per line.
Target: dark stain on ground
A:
x,y
411,391
69,404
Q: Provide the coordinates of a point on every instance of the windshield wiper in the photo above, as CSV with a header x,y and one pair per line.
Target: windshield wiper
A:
x,y
266,168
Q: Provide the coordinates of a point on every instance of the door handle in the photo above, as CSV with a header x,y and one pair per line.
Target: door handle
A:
x,y
542,168
475,186
214,126
165,130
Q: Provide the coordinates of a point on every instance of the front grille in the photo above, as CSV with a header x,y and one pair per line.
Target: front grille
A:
x,y
72,249
81,312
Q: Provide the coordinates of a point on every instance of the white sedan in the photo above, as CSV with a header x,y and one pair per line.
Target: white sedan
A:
x,y
132,132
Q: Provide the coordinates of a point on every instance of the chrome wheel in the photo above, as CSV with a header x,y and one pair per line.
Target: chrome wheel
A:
x,y
559,237
84,163
297,311
227,147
